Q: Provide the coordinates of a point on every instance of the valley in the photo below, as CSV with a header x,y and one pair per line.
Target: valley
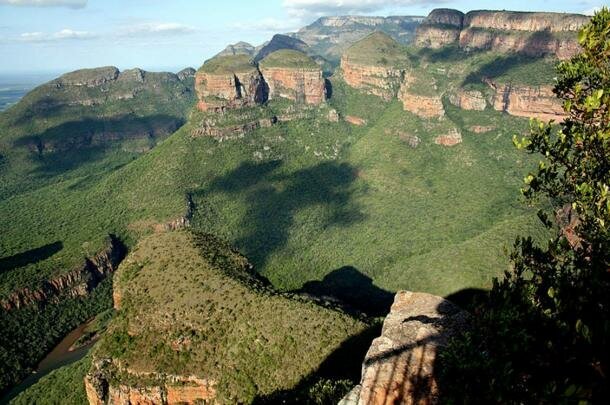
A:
x,y
251,220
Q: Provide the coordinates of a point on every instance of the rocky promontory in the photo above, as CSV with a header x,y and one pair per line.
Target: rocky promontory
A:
x,y
293,75
527,101
229,81
441,27
376,64
400,367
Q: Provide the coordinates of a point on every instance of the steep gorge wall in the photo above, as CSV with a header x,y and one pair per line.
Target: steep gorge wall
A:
x,y
78,282
221,91
523,101
381,81
296,84
217,91
533,34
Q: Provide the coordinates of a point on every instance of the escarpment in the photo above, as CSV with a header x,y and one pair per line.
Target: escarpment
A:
x,y
295,76
229,81
423,104
77,282
530,33
233,81
400,367
377,65
527,101
441,27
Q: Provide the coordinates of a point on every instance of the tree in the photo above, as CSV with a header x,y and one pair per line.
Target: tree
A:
x,y
543,332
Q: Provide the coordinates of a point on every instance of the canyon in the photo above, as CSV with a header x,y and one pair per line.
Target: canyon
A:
x,y
74,283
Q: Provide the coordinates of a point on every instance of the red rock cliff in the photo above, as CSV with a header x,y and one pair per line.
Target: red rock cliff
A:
x,y
534,34
296,84
229,89
399,367
377,80
523,101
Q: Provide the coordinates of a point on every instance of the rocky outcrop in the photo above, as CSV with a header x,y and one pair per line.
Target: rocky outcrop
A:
x,y
297,84
452,138
355,120
376,64
78,282
424,106
468,100
376,80
163,389
399,367
523,101
239,48
226,89
533,34
186,73
441,27
89,77
233,131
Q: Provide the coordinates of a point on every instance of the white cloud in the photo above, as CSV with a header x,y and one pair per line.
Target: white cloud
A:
x,y
592,10
65,34
162,29
45,3
318,8
269,25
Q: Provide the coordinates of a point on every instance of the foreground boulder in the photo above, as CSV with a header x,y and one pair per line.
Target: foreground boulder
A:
x,y
399,367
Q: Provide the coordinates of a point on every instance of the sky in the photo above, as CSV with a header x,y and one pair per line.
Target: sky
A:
x,y
64,35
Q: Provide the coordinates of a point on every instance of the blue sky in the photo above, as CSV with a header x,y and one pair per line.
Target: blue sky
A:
x,y
63,35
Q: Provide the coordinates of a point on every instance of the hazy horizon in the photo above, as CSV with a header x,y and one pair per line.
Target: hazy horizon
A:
x,y
63,35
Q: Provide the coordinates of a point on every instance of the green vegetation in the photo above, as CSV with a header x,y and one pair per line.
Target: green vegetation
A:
x,y
378,49
227,64
289,58
541,336
62,386
22,347
324,208
198,309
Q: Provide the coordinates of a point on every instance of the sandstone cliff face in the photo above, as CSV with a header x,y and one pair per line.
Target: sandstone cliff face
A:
x,y
399,367
78,282
522,101
167,390
299,85
218,91
420,105
380,81
442,27
533,34
468,100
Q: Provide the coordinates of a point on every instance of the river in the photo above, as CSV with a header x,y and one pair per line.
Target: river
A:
x,y
60,356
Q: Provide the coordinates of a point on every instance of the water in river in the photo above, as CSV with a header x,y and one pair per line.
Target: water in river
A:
x,y
60,356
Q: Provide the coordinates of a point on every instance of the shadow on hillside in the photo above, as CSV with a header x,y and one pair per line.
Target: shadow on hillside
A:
x,y
349,287
276,197
503,64
468,298
71,144
344,363
415,358
30,256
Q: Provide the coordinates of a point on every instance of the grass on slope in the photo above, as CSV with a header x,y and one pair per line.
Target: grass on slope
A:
x,y
227,64
63,386
191,306
289,58
378,48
